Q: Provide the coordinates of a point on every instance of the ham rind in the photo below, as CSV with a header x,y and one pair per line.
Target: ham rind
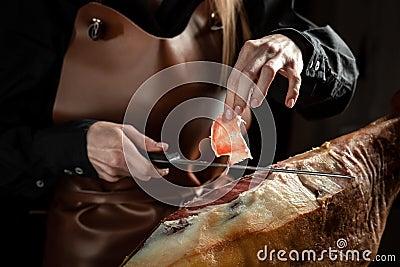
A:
x,y
227,139
291,212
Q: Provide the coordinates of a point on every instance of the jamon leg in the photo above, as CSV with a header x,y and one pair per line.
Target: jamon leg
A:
x,y
292,212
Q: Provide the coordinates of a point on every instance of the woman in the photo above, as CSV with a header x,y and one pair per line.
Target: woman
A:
x,y
260,39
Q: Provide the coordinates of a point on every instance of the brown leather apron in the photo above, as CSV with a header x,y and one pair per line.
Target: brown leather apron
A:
x,y
93,222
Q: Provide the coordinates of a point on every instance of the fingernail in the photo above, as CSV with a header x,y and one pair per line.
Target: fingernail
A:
x,y
290,103
238,110
254,102
228,114
164,172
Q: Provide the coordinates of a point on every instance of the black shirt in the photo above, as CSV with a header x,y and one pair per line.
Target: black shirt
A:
x,y
34,35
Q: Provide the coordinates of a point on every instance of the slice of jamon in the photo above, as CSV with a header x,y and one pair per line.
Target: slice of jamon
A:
x,y
227,139
332,218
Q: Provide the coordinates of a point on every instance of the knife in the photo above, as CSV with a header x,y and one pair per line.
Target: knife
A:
x,y
165,160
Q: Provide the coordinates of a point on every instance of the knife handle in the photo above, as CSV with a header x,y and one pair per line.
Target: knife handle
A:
x,y
159,159
162,159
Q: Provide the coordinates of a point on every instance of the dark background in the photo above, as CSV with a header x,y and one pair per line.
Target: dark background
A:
x,y
372,30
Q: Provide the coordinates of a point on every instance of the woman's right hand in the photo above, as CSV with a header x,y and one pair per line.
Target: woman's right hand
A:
x,y
106,152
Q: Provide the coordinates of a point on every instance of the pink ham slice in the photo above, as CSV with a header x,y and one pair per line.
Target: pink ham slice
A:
x,y
227,139
290,212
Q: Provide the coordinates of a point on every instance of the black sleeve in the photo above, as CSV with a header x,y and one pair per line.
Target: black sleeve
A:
x,y
34,152
32,160
330,73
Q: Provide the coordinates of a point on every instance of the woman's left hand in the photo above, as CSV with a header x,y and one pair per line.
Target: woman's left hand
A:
x,y
260,60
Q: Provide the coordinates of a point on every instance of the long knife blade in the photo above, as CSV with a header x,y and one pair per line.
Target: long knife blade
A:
x,y
176,160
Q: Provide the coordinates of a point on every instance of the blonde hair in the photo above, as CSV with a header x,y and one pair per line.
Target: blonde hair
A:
x,y
231,12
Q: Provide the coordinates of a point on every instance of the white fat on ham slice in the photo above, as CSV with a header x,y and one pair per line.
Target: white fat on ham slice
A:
x,y
227,139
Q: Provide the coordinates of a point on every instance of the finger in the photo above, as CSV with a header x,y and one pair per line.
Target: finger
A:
x,y
247,54
262,59
240,97
230,94
293,88
148,175
243,92
146,170
142,141
113,163
109,173
267,75
240,86
153,146
139,166
108,178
